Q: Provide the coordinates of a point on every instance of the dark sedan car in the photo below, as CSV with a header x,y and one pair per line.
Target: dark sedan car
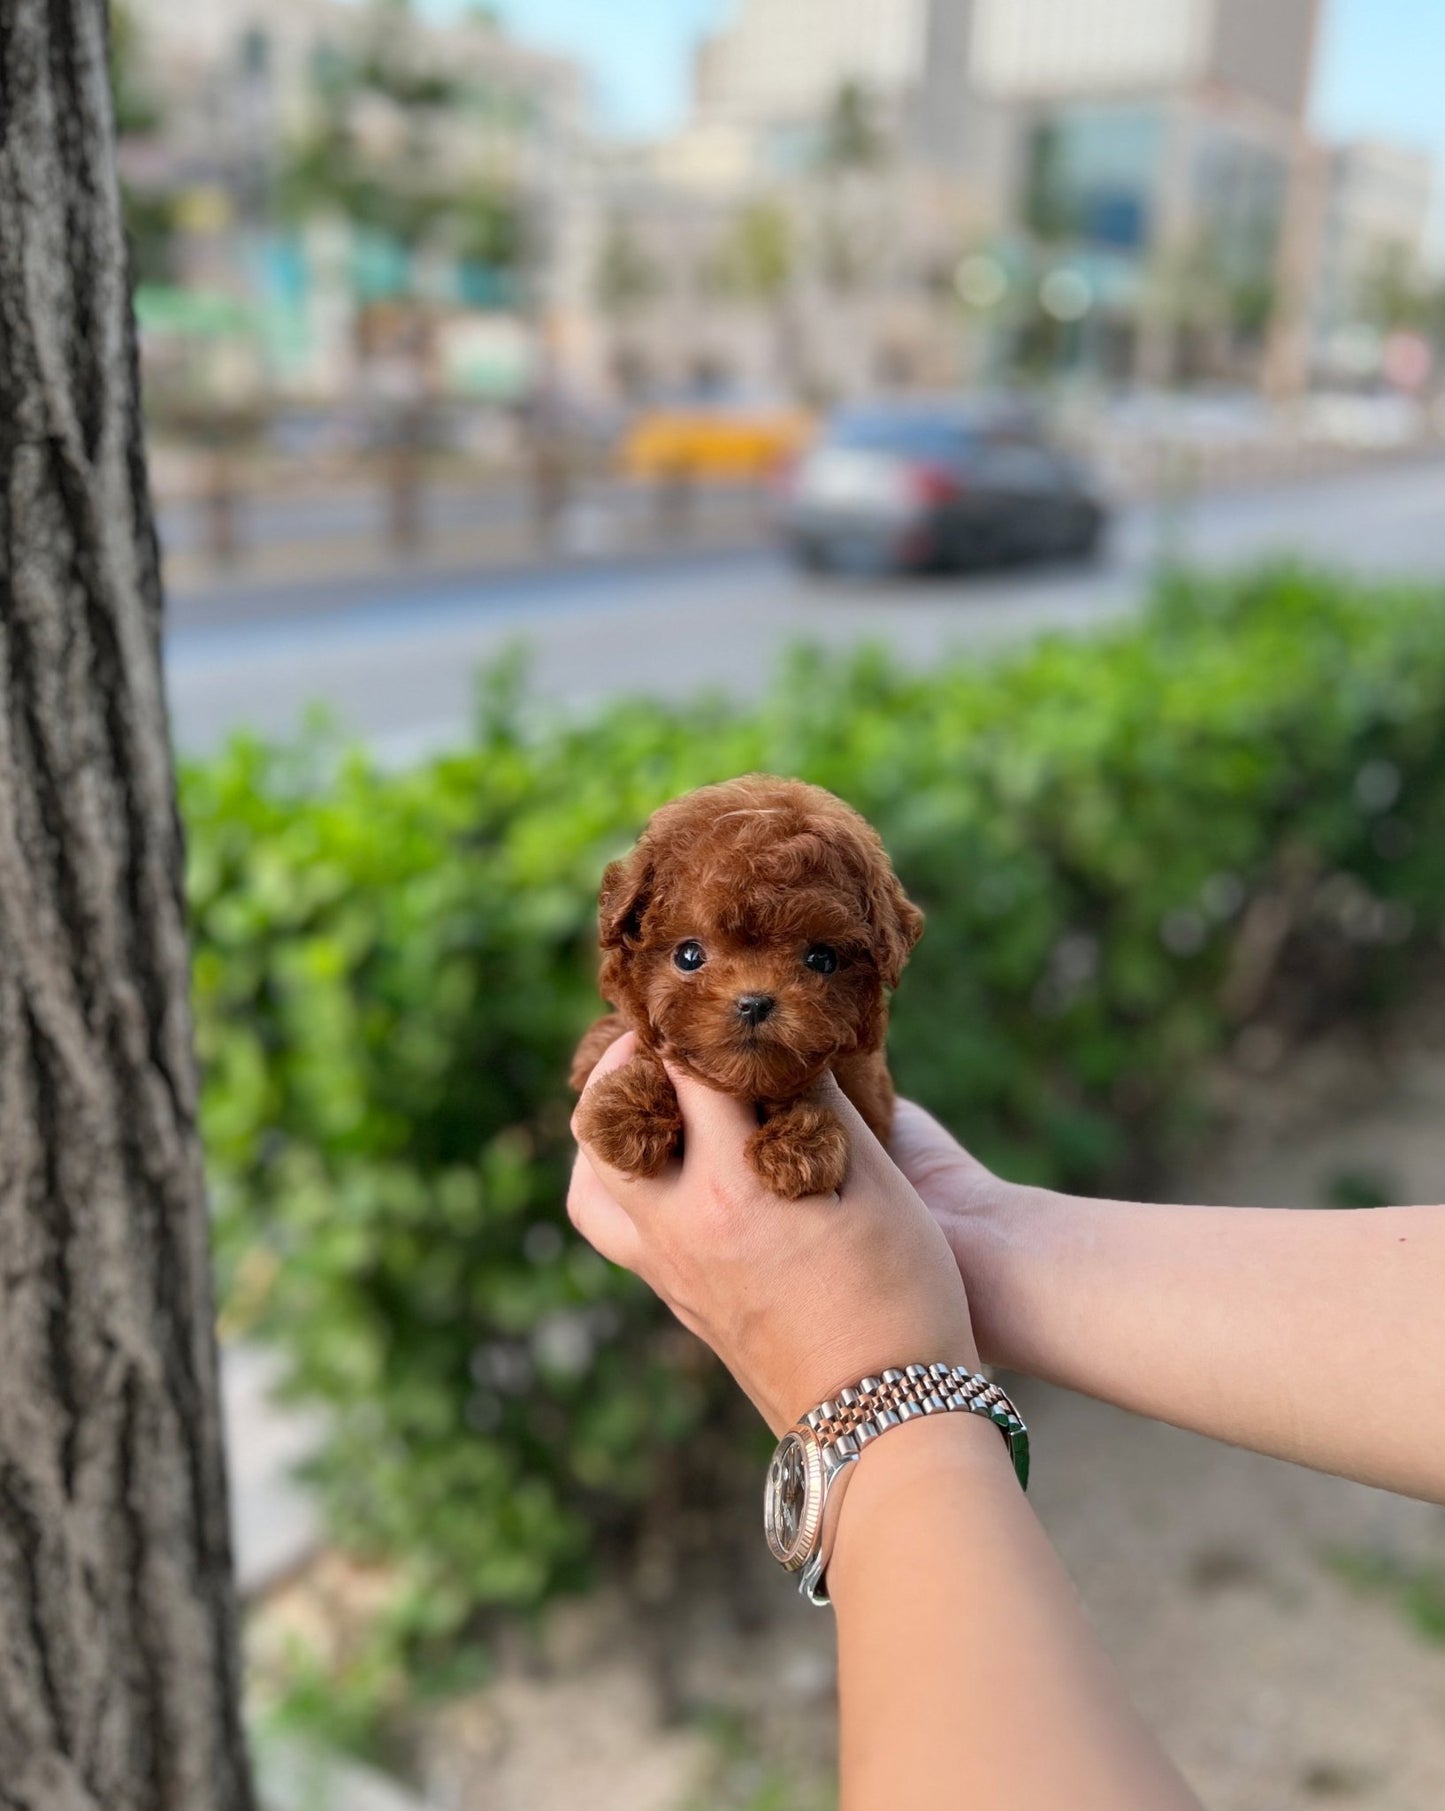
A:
x,y
925,486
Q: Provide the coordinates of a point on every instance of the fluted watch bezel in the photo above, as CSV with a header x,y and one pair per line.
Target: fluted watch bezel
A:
x,y
793,1499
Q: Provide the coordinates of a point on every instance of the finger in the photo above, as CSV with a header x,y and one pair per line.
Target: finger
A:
x,y
714,1124
865,1155
602,1222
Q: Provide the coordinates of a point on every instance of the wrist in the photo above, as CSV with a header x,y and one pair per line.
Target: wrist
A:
x,y
998,1234
815,1462
907,1480
867,1353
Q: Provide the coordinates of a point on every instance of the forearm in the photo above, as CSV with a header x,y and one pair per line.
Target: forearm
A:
x,y
967,1674
1316,1336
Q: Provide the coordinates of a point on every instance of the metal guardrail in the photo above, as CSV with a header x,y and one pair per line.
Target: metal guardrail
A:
x,y
1152,469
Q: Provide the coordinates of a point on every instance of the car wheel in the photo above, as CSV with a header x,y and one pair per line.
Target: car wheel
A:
x,y
1088,543
811,557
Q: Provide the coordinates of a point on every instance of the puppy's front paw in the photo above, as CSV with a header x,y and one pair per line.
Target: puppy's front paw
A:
x,y
630,1118
803,1150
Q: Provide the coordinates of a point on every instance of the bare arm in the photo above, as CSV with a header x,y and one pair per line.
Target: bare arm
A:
x,y
968,1675
1316,1336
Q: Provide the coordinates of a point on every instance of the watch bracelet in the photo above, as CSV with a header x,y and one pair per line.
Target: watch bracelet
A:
x,y
855,1416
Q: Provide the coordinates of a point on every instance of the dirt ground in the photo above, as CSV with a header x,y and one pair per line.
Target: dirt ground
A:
x,y
1261,1616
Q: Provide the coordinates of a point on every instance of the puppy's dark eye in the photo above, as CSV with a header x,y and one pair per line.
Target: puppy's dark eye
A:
x,y
821,959
688,957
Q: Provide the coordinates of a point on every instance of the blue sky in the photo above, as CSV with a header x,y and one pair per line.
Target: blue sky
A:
x,y
640,51
1381,71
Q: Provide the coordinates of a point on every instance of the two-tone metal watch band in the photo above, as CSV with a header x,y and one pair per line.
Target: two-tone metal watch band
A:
x,y
815,1458
875,1404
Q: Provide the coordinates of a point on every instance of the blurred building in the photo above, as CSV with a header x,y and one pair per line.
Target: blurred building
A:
x,y
778,66
1375,220
1121,186
334,165
1068,48
1154,150
900,193
802,229
774,74
236,79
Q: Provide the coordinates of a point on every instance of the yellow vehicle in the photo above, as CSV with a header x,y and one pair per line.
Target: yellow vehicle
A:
x,y
723,439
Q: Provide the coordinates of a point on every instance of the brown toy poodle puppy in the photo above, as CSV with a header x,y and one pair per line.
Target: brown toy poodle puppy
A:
x,y
750,938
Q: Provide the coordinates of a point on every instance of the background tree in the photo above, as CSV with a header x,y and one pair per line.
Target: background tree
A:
x,y
852,138
118,1643
1050,207
490,227
135,106
397,185
756,264
848,230
149,214
1394,295
625,281
626,276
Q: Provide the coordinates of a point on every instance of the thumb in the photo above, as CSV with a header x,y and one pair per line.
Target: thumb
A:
x,y
921,1146
620,1051
867,1159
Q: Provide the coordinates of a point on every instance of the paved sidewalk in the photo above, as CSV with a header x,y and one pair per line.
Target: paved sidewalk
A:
x,y
274,1520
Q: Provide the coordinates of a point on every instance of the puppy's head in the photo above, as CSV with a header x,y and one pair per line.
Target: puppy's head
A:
x,y
752,932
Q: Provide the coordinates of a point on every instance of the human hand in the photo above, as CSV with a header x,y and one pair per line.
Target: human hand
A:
x,y
796,1297
975,1209
950,1179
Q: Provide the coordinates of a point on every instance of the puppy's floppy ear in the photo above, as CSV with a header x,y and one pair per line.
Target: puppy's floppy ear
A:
x,y
894,922
626,889
897,925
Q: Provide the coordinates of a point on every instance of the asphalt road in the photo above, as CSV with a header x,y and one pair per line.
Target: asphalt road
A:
x,y
395,657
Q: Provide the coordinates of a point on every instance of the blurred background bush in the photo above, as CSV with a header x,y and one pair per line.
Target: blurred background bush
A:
x,y
1225,823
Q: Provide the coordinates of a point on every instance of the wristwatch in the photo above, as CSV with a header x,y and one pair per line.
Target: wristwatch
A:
x,y
813,1460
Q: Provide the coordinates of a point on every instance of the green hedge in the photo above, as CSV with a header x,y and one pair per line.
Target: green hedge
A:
x,y
1133,849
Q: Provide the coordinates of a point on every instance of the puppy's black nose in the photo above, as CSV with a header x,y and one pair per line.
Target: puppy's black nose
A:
x,y
754,1007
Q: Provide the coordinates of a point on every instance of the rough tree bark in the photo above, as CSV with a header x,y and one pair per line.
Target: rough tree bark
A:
x,y
118,1641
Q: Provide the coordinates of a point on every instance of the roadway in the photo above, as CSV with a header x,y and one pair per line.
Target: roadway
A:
x,y
395,656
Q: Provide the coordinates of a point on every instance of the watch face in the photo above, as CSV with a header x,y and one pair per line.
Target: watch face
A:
x,y
793,1500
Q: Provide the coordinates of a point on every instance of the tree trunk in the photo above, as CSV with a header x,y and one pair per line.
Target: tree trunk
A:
x,y
118,1641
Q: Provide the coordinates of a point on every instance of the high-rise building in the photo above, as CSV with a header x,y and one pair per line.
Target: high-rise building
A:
x,y
1054,49
783,61
775,71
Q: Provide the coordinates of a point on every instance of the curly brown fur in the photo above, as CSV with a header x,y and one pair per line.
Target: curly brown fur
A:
x,y
801,1149
631,1118
757,872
